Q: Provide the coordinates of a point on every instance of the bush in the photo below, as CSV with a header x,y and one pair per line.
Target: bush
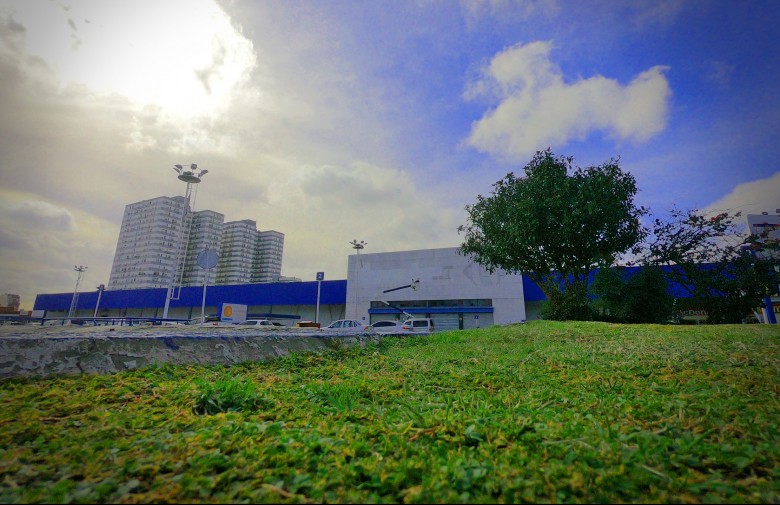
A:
x,y
639,298
568,305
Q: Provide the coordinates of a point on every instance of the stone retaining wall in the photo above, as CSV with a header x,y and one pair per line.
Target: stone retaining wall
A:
x,y
99,353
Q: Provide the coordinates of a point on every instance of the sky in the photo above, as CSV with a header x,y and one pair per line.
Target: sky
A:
x,y
338,120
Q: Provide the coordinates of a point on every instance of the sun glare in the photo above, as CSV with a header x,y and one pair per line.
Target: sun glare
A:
x,y
184,56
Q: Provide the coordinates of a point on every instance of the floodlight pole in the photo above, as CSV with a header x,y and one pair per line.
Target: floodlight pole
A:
x,y
190,177
100,289
75,300
357,246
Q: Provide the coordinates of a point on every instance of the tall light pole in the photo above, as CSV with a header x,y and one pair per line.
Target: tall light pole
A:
x,y
207,260
75,300
100,289
189,176
357,246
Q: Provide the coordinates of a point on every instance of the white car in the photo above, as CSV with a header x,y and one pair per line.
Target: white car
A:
x,y
390,327
347,326
262,322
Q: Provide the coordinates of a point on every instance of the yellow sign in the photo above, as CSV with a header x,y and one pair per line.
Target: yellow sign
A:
x,y
228,311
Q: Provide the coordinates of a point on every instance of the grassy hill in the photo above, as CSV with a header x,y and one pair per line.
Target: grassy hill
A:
x,y
539,412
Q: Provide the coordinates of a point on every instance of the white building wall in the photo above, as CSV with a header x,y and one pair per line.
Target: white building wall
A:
x,y
444,274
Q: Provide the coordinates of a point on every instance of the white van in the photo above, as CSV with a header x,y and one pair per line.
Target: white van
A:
x,y
422,325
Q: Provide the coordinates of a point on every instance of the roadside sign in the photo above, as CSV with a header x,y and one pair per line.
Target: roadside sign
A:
x,y
320,276
233,313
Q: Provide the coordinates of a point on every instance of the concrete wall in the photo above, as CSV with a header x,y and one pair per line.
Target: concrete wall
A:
x,y
110,351
443,273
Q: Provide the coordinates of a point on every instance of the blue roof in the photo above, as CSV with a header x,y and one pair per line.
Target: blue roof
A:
x,y
278,293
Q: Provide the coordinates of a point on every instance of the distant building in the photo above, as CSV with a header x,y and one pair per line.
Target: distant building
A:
x,y
146,252
152,230
11,301
206,233
268,256
768,226
283,278
237,255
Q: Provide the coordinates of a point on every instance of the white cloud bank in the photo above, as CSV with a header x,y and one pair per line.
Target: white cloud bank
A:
x,y
538,109
755,197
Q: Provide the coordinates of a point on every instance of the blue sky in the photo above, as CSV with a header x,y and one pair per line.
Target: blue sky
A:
x,y
372,120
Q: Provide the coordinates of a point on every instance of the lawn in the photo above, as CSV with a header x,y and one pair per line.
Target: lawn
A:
x,y
539,412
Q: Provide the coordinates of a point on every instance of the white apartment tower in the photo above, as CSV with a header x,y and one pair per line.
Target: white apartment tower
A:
x,y
146,249
268,258
205,233
237,255
152,229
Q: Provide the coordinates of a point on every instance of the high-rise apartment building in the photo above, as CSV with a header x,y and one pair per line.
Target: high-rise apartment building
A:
x,y
146,255
205,233
268,256
237,255
146,252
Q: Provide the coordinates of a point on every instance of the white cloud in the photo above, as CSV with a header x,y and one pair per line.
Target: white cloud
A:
x,y
753,197
475,10
538,109
655,14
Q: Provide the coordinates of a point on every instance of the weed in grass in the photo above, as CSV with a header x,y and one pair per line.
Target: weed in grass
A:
x,y
227,395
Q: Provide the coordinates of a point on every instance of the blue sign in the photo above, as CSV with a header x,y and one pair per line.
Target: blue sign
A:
x,y
320,276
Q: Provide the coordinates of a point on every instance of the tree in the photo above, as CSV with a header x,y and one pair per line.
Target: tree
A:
x,y
555,225
716,264
639,298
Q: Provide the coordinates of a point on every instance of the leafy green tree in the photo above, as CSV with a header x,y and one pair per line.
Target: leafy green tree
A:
x,y
555,225
713,261
639,298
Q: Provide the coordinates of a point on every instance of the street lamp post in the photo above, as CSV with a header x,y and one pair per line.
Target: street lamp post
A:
x,y
207,260
189,176
357,246
320,278
100,289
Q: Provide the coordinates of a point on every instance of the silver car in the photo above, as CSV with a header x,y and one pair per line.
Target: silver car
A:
x,y
347,326
262,322
390,327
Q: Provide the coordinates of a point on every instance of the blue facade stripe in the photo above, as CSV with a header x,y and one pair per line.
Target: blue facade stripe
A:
x,y
279,293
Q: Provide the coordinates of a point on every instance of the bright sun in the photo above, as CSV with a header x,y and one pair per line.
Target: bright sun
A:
x,y
182,55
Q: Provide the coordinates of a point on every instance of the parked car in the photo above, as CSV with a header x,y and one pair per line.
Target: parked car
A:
x,y
390,327
261,322
347,326
208,321
418,325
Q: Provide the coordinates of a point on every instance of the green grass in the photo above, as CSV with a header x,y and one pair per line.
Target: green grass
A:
x,y
540,412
